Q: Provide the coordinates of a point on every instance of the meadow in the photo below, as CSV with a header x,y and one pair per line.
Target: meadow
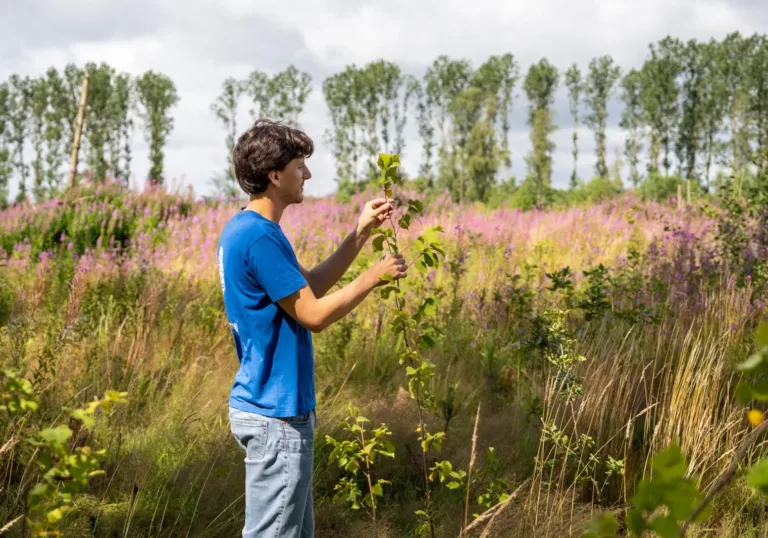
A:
x,y
591,338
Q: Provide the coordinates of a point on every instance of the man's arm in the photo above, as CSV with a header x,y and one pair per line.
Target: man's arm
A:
x,y
316,313
323,277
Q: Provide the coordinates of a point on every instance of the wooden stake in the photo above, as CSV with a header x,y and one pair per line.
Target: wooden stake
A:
x,y
688,186
78,131
679,196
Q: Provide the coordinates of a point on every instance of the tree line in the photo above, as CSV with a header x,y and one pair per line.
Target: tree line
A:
x,y
696,110
37,125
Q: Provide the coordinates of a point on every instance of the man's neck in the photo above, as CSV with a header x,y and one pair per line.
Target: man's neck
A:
x,y
267,208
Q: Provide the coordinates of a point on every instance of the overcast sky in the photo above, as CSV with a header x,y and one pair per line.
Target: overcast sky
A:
x,y
198,43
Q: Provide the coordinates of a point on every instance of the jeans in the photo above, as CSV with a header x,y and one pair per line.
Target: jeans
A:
x,y
279,455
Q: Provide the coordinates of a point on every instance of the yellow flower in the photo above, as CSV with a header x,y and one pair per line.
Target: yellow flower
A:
x,y
755,417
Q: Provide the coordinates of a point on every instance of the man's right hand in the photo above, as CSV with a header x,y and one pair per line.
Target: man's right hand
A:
x,y
392,265
317,314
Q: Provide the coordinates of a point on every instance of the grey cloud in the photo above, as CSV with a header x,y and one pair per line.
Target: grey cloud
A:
x,y
52,23
199,43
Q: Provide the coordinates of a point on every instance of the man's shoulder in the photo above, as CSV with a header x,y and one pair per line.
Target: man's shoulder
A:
x,y
243,232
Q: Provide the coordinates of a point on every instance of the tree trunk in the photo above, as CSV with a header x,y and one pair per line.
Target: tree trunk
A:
x,y
78,131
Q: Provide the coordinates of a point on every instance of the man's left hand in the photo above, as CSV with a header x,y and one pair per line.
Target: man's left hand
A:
x,y
374,214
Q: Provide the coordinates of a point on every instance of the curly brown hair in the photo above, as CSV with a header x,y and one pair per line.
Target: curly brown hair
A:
x,y
265,147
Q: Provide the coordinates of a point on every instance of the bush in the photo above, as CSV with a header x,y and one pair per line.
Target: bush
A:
x,y
660,188
525,196
501,193
89,216
599,189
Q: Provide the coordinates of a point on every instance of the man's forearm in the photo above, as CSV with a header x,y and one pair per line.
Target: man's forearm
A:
x,y
327,274
340,303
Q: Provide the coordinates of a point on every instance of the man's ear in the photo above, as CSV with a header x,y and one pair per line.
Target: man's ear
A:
x,y
274,178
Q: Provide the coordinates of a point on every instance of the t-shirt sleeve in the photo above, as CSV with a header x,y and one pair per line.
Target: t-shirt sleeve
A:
x,y
275,267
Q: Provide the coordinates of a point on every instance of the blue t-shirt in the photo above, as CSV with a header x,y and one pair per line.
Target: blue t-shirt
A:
x,y
258,267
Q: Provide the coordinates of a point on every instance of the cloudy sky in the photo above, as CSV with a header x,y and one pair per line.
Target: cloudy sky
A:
x,y
198,43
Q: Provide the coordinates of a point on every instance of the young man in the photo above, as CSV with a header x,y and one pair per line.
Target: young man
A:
x,y
273,305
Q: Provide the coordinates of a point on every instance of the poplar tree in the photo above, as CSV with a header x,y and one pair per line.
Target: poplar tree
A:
x,y
120,126
425,122
660,99
342,95
714,102
97,122
55,130
156,95
692,118
225,109
20,104
5,152
632,122
445,79
575,88
510,75
38,109
598,89
757,81
540,85
735,52
287,94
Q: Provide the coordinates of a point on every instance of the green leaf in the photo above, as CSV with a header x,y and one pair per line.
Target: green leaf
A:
x,y
665,526
377,489
761,335
415,206
670,463
760,390
602,526
752,363
378,243
704,514
55,515
56,436
405,221
427,341
385,292
635,522
83,416
453,485
39,491
429,307
744,393
429,235
758,476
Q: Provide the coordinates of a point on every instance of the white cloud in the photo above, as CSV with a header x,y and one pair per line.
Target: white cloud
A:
x,y
198,43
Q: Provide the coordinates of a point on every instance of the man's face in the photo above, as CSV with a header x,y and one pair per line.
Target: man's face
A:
x,y
292,179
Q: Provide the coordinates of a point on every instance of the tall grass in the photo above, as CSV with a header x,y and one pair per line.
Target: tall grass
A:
x,y
84,309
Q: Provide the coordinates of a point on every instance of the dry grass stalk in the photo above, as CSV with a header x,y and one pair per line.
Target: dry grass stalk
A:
x,y
469,471
490,514
10,524
726,477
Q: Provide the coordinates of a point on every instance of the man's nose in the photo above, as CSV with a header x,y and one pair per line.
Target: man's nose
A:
x,y
307,174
